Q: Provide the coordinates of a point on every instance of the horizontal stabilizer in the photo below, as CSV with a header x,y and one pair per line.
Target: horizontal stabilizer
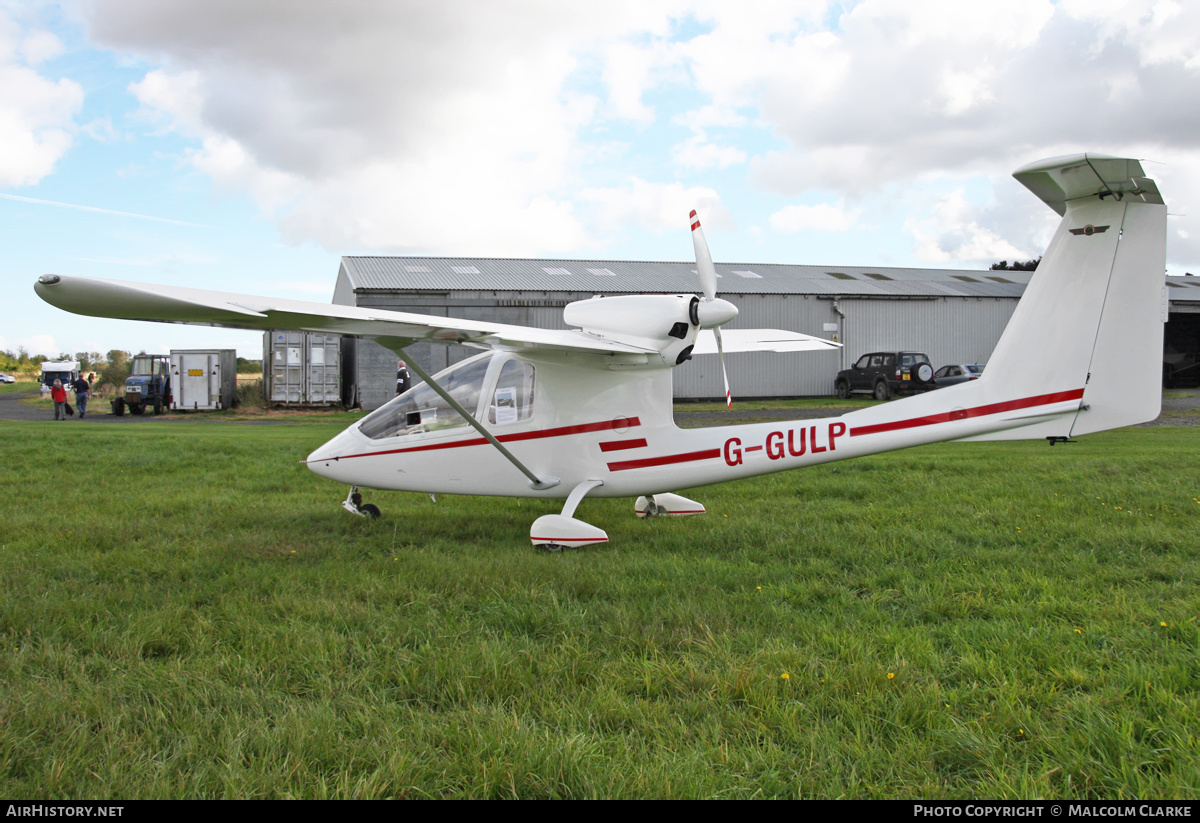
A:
x,y
1072,177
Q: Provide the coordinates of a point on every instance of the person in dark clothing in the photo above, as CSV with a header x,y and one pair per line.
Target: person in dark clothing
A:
x,y
402,378
82,391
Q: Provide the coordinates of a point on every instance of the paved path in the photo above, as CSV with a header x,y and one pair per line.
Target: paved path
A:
x,y
11,408
99,411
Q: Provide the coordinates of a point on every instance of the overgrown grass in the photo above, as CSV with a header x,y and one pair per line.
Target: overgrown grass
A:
x,y
250,395
187,612
19,386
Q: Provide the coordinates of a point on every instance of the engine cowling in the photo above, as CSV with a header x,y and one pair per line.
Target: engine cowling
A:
x,y
666,323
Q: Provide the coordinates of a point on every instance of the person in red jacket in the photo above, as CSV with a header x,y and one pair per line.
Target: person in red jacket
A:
x,y
59,395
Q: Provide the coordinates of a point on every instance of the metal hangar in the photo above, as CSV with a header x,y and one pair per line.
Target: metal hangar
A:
x,y
951,315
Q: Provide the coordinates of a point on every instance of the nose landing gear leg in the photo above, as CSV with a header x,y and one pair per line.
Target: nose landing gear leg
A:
x,y
353,504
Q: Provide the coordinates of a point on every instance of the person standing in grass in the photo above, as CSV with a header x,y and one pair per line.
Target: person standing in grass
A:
x,y
82,390
59,395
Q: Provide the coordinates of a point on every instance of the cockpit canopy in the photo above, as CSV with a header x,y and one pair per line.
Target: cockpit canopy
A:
x,y
494,387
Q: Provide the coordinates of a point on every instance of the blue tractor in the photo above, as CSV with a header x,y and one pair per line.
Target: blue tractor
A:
x,y
147,387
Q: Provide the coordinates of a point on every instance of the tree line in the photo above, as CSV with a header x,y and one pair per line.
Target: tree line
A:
x,y
111,367
1017,265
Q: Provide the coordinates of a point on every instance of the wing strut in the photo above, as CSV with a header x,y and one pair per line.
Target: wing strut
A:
x,y
538,483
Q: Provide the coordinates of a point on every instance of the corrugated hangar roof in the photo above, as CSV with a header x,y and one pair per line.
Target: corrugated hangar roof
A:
x,y
367,274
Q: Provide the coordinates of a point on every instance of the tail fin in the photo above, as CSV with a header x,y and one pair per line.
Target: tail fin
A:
x,y
1090,324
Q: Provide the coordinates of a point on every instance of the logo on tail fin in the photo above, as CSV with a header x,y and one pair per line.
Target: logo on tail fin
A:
x,y
1089,230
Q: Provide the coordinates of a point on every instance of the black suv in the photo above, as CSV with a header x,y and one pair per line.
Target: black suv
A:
x,y
885,373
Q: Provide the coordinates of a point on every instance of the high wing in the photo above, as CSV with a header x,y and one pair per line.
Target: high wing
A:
x,y
177,304
761,340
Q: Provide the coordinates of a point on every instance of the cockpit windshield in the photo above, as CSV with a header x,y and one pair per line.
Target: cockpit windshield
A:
x,y
421,409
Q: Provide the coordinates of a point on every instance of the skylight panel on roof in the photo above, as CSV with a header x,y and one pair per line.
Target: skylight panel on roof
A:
x,y
748,275
840,275
552,270
965,279
464,270
602,272
875,276
417,269
998,279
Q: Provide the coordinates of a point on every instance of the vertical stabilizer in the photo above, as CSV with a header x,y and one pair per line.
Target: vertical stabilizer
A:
x,y
1090,324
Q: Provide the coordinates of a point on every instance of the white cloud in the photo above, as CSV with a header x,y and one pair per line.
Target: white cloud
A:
x,y
391,127
951,233
820,217
697,153
710,116
36,113
174,100
965,90
1161,31
462,127
654,206
627,73
34,344
40,46
903,89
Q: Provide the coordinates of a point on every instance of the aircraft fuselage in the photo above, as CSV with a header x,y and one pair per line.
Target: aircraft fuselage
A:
x,y
616,426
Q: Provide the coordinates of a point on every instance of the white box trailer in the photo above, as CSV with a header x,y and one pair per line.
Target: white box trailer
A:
x,y
302,367
203,379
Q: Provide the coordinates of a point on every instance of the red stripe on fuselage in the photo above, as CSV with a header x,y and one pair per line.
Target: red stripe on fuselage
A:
x,y
647,462
978,411
620,445
567,539
561,431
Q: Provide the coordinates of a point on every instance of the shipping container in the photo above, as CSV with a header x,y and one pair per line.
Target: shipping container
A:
x,y
302,368
203,379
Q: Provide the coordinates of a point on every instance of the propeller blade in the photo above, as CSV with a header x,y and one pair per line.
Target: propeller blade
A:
x,y
704,263
724,374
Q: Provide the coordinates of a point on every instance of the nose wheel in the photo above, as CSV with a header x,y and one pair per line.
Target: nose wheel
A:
x,y
353,504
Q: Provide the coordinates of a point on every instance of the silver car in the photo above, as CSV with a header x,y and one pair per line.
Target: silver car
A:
x,y
956,373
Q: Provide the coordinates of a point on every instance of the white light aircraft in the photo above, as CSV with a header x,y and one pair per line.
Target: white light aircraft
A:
x,y
588,411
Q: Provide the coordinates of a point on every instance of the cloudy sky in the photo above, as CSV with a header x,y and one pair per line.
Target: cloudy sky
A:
x,y
245,145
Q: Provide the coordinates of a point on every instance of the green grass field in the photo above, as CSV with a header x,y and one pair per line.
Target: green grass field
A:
x,y
19,386
187,612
